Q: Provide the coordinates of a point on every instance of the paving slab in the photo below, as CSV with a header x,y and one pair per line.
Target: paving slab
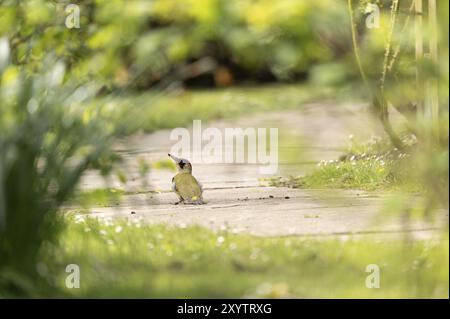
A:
x,y
237,198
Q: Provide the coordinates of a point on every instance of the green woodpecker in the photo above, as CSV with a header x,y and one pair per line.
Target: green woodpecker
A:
x,y
188,189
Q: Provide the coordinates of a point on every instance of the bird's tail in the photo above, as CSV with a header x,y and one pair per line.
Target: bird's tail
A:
x,y
196,201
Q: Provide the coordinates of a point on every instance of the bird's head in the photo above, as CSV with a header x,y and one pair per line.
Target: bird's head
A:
x,y
183,165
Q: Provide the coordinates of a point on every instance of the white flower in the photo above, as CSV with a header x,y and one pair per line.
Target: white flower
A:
x,y
108,221
79,219
118,229
220,240
254,254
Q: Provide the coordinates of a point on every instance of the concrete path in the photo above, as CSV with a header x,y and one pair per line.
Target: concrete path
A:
x,y
238,199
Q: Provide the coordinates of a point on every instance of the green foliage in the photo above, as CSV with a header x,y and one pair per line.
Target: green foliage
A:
x,y
140,42
52,129
404,65
120,259
48,138
399,67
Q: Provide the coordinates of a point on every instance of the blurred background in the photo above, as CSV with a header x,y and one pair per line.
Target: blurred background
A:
x,y
74,92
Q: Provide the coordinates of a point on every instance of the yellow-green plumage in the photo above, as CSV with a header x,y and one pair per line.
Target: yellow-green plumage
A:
x,y
187,187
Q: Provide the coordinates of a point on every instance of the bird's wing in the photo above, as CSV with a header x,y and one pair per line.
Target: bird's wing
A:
x,y
187,186
174,185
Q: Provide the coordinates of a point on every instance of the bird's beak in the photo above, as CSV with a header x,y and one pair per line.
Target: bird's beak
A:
x,y
174,158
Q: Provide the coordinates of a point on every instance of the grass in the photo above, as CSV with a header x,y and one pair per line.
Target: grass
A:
x,y
97,197
130,259
375,165
368,174
164,164
179,108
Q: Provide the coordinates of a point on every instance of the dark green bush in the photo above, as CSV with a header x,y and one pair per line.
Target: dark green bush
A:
x,y
142,42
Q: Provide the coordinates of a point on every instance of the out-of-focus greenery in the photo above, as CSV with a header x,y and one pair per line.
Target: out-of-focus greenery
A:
x,y
178,108
164,164
120,259
48,138
395,78
415,85
139,42
97,197
55,122
389,69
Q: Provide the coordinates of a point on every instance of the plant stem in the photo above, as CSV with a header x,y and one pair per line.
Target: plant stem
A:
x,y
387,51
356,47
433,45
378,100
404,28
419,54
